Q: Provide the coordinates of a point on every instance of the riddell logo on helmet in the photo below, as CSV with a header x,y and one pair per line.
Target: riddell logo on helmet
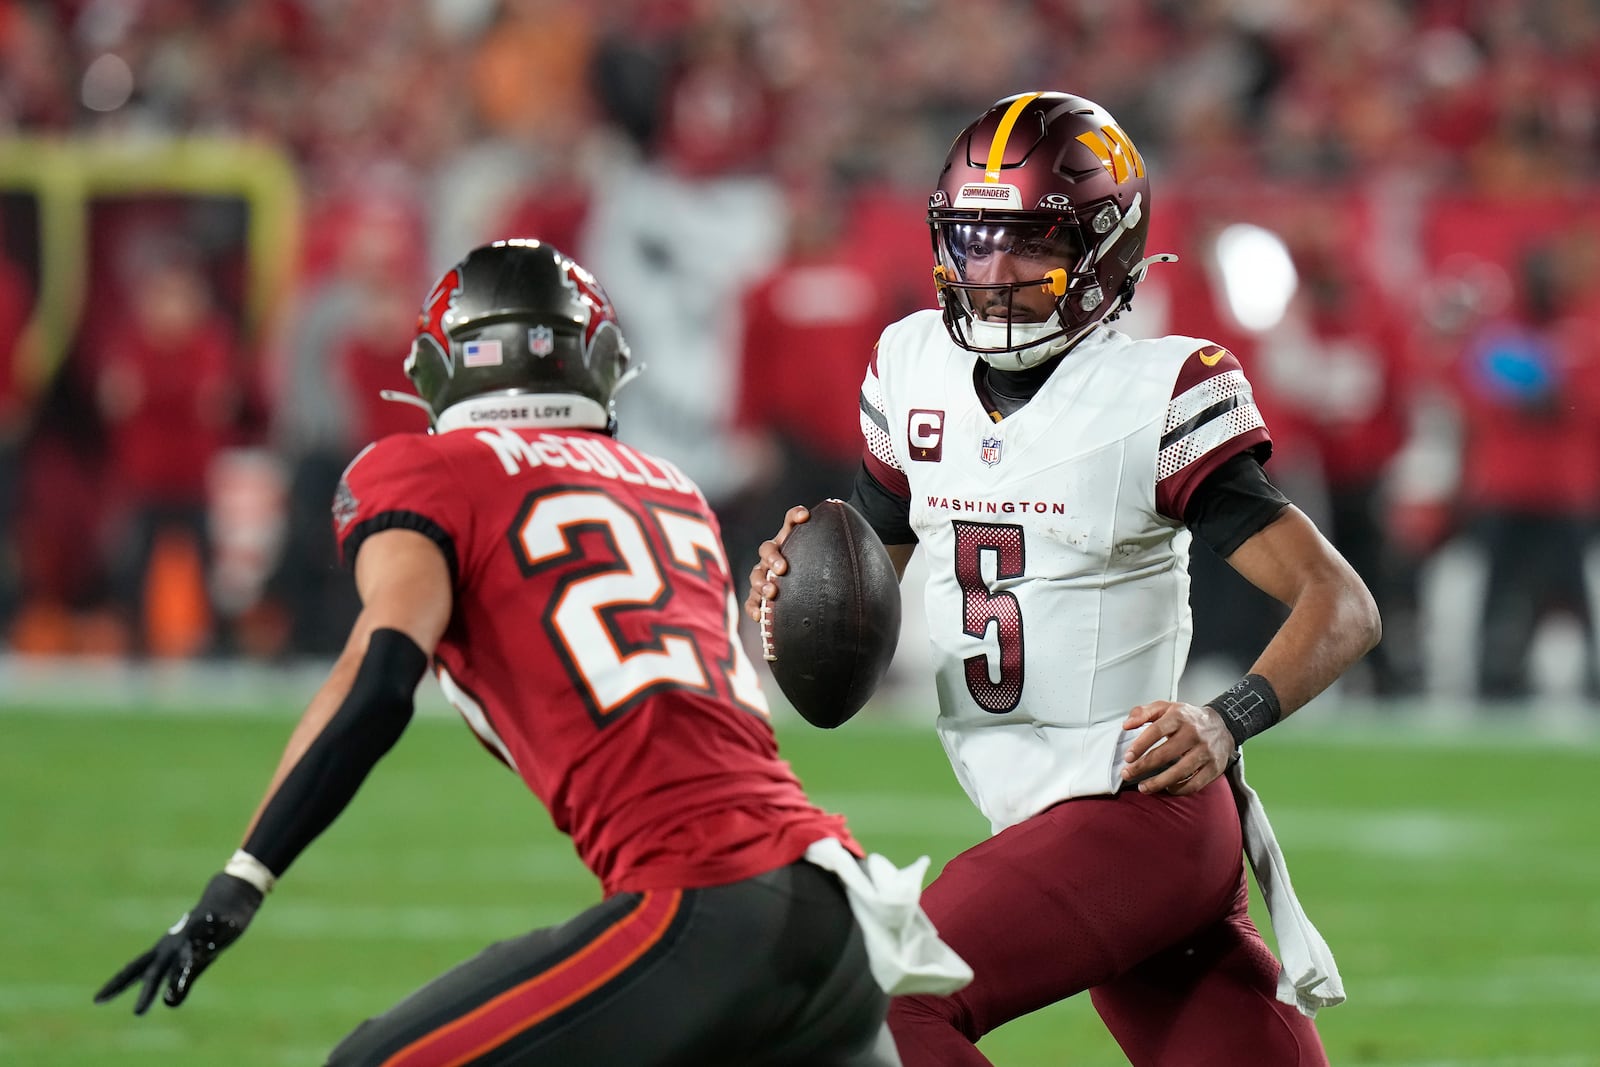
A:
x,y
989,194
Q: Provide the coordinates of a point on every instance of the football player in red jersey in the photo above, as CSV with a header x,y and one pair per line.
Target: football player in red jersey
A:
x,y
1054,470
573,599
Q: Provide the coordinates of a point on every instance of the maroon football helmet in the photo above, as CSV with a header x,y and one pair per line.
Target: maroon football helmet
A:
x,y
1052,181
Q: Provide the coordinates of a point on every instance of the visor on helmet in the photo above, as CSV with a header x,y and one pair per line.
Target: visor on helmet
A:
x,y
972,248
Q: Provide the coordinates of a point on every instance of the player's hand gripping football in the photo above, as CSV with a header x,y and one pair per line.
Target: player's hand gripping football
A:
x,y
187,949
1196,752
764,576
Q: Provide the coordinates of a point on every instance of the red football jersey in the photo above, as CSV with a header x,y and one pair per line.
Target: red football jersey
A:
x,y
593,647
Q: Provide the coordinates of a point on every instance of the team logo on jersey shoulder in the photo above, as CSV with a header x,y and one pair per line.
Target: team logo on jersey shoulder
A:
x,y
345,505
989,450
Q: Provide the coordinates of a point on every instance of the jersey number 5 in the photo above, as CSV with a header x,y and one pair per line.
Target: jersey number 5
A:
x,y
982,607
588,601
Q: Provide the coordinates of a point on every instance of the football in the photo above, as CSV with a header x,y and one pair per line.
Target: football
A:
x,y
830,633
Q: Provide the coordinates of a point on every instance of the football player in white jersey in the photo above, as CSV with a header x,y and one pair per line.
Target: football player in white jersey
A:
x,y
1054,470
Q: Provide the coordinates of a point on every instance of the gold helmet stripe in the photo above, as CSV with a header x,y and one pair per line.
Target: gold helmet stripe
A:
x,y
1097,144
1002,134
1121,165
1123,141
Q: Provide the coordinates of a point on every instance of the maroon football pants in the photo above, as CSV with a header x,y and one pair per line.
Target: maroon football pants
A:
x,y
1141,899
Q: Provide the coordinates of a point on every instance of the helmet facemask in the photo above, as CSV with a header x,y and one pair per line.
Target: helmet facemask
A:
x,y
1009,286
1020,322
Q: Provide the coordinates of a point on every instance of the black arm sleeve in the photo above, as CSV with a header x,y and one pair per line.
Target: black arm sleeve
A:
x,y
373,716
887,514
1233,504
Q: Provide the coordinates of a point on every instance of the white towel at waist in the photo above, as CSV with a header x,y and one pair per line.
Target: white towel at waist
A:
x,y
902,946
1309,979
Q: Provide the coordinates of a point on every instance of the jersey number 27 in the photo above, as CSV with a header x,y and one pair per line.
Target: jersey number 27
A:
x,y
588,600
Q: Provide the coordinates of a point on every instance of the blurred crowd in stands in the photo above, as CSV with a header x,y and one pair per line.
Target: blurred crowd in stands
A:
x,y
1389,209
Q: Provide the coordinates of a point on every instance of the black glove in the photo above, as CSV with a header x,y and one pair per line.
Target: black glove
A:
x,y
216,922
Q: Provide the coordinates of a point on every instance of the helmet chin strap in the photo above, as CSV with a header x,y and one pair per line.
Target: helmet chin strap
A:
x,y
397,397
633,371
1124,298
1141,268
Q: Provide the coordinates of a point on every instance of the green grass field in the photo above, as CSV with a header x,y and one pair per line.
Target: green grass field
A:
x,y
1457,880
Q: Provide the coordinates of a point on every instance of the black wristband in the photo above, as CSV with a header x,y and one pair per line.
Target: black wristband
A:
x,y
1249,706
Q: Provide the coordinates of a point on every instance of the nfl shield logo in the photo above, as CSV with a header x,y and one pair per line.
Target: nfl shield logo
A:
x,y
345,505
989,451
541,340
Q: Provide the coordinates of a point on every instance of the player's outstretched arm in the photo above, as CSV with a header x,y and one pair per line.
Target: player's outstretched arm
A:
x,y
354,719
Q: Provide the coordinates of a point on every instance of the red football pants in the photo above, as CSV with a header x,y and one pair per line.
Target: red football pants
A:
x,y
1141,899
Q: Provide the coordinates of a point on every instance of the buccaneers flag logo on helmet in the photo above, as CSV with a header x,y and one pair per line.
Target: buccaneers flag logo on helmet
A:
x,y
430,323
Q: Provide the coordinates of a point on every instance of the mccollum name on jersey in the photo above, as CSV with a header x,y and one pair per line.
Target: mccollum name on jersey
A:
x,y
587,454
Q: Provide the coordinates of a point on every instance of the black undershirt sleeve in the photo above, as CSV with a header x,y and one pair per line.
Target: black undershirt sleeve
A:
x,y
887,514
1233,504
373,716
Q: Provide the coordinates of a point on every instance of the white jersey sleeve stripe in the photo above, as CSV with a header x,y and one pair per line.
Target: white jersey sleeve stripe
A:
x,y
1205,394
1206,438
476,717
875,424
874,414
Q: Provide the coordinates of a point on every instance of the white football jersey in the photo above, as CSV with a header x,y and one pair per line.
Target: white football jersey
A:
x,y
1057,596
